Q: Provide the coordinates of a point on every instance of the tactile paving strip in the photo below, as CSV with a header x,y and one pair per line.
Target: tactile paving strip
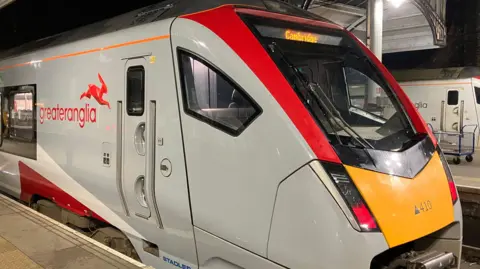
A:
x,y
72,247
12,258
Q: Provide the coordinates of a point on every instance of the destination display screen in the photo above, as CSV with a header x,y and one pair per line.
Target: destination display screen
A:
x,y
300,36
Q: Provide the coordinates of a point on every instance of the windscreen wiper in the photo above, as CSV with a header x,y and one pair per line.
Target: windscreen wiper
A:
x,y
377,76
275,49
331,117
346,127
334,113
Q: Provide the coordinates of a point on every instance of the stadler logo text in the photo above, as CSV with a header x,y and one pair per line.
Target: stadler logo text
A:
x,y
80,115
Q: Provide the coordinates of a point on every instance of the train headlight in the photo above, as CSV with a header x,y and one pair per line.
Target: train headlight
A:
x,y
351,196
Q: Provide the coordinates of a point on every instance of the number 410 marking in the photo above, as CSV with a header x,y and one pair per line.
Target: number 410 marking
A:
x,y
423,207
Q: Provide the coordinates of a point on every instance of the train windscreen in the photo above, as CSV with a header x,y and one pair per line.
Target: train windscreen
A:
x,y
345,92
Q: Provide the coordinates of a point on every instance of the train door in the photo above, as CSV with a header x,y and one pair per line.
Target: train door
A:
x,y
134,140
476,101
154,180
453,110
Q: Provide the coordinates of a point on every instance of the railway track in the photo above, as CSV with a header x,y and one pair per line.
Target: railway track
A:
x,y
471,254
470,257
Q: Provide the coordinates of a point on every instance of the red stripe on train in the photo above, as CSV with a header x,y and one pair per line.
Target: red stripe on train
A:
x,y
32,183
237,35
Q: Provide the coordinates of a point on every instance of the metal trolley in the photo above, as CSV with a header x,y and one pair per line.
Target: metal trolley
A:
x,y
458,143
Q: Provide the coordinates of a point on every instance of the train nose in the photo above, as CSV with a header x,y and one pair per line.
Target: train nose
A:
x,y
407,208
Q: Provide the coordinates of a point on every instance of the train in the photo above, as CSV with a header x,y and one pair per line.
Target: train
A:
x,y
225,134
448,99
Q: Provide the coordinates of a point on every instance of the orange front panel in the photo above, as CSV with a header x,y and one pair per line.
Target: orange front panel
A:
x,y
407,209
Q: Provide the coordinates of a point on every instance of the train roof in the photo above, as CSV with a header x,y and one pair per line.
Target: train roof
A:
x,y
450,73
162,10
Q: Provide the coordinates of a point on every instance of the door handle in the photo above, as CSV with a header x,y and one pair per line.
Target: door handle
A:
x,y
442,116
150,147
166,167
119,160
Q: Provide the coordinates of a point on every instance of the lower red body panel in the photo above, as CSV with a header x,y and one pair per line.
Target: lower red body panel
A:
x,y
32,183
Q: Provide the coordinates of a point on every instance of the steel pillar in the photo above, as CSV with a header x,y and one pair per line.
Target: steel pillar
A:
x,y
375,27
306,4
374,39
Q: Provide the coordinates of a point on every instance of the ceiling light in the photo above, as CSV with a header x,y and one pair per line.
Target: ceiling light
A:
x,y
396,3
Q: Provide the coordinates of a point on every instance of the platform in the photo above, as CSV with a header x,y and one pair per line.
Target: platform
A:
x,y
465,169
467,175
29,240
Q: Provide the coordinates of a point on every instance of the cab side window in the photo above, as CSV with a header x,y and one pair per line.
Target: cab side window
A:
x,y
452,98
211,97
477,94
135,90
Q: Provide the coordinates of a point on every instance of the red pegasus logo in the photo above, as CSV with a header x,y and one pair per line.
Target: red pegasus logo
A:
x,y
97,93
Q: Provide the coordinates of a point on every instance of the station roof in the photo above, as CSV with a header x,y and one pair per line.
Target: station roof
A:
x,y
148,14
413,25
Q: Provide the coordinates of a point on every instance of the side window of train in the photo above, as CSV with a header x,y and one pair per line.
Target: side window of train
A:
x,y
452,98
135,90
19,120
477,94
212,97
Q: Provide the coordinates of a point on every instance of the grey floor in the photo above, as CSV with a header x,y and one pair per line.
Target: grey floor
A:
x,y
465,169
31,241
